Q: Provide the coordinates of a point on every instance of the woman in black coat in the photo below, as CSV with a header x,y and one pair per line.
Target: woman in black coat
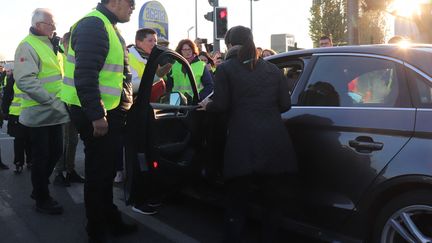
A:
x,y
253,93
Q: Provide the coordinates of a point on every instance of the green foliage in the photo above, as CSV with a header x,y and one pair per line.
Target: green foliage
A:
x,y
372,27
329,18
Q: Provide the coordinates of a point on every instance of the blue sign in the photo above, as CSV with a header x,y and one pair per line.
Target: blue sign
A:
x,y
153,15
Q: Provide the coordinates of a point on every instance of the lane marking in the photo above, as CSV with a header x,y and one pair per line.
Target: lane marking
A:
x,y
76,191
15,226
151,222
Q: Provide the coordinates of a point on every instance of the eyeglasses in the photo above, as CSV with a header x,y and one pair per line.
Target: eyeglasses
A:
x,y
132,3
52,25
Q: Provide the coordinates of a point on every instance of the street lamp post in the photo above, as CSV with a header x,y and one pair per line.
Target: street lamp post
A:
x,y
190,28
251,14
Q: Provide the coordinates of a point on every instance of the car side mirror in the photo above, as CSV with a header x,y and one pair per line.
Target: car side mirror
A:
x,y
174,98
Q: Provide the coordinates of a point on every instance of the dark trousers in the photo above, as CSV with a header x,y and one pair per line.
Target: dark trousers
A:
x,y
243,190
21,133
47,147
22,150
101,155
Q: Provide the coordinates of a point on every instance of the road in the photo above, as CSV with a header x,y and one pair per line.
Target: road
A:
x,y
184,219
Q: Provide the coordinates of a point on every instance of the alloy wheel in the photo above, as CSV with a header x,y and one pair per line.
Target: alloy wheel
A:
x,y
411,224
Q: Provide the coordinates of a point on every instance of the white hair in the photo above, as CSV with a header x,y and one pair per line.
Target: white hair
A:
x,y
39,15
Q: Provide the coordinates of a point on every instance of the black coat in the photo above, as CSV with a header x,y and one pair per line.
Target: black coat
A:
x,y
91,45
257,140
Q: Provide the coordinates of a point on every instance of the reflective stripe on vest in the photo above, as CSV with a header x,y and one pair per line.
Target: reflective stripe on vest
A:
x,y
181,80
135,64
51,72
110,76
15,108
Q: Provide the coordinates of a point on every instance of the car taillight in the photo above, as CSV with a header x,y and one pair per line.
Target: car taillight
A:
x,y
155,164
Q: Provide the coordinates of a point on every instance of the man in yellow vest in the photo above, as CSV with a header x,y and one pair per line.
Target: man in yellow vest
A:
x,y
97,86
11,108
70,141
38,73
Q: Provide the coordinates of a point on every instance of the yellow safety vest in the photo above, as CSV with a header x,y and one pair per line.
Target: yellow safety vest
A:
x,y
181,80
110,77
15,107
51,72
137,65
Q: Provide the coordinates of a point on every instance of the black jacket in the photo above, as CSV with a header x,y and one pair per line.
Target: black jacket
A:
x,y
257,140
91,44
8,94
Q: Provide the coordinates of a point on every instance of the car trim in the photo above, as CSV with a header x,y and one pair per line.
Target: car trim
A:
x,y
418,71
424,109
359,54
354,108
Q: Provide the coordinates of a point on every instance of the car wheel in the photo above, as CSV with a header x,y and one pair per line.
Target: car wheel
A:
x,y
406,218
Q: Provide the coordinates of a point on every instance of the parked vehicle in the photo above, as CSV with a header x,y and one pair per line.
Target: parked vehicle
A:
x,y
360,125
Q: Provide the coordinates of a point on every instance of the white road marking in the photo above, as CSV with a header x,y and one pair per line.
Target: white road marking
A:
x,y
14,224
76,191
7,138
152,222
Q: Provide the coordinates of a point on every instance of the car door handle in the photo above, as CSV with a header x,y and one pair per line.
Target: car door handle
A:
x,y
365,144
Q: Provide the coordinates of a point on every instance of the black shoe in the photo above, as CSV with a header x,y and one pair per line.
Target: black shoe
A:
x,y
60,180
121,228
154,203
49,207
144,209
29,165
18,168
74,177
3,166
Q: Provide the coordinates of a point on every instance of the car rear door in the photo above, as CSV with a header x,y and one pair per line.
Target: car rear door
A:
x,y
351,115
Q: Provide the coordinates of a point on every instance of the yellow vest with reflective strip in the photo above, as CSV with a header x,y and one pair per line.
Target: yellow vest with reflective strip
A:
x,y
136,64
51,72
181,80
15,107
110,77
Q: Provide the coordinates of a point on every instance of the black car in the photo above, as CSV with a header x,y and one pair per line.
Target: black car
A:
x,y
361,127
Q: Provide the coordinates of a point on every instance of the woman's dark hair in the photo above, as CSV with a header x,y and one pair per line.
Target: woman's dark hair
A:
x,y
209,58
240,35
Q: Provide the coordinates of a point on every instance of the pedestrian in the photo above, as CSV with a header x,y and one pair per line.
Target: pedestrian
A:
x,y
267,53
11,108
98,88
2,78
145,192
38,74
325,41
177,78
253,93
66,162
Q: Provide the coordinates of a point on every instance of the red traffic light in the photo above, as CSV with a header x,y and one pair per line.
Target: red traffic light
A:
x,y
223,13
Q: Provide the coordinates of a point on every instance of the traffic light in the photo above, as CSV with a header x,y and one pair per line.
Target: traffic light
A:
x,y
221,22
209,16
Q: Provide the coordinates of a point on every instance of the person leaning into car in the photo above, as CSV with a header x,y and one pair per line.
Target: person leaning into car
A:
x,y
253,93
98,88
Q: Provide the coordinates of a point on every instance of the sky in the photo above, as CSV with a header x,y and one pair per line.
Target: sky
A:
x,y
269,17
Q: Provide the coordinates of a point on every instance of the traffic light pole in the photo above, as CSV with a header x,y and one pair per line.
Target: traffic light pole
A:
x,y
216,42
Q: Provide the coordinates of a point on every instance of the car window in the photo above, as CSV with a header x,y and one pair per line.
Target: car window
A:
x,y
423,89
293,69
351,81
176,81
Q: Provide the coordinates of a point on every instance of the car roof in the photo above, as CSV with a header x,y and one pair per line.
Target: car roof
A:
x,y
417,55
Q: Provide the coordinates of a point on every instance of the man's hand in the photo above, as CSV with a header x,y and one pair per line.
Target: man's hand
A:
x,y
100,127
163,70
203,104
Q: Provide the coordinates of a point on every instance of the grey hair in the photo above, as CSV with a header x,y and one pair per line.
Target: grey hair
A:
x,y
39,15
